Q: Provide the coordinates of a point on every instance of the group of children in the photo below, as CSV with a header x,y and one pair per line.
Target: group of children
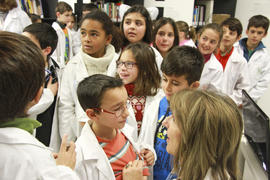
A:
x,y
123,108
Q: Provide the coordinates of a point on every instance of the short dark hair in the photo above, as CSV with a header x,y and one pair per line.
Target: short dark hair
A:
x,y
183,61
148,80
101,17
21,74
45,34
233,24
259,21
62,7
148,22
89,7
90,91
34,18
161,22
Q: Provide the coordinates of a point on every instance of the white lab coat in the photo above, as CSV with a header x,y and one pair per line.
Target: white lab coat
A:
x,y
112,69
16,20
70,110
235,77
259,71
59,52
44,103
92,162
24,157
211,77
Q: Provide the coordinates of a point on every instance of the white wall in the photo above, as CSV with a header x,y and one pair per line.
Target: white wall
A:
x,y
244,10
175,9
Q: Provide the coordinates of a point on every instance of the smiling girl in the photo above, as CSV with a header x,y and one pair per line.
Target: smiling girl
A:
x,y
208,41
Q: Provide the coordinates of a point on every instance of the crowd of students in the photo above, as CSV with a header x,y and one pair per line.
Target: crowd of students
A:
x,y
140,102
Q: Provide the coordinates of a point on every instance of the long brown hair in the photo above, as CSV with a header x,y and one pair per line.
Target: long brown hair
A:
x,y
6,5
211,128
148,80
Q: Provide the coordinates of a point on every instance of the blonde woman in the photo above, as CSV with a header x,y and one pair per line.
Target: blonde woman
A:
x,y
203,135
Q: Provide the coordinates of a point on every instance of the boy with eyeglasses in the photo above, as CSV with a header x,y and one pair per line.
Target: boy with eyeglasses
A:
x,y
103,150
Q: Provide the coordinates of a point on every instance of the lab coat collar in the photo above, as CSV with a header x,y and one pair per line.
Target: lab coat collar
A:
x,y
91,150
19,136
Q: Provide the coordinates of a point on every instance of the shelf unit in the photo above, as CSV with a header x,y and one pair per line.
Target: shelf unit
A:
x,y
31,6
202,12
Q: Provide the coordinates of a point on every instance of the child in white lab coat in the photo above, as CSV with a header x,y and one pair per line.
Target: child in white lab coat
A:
x,y
94,57
22,76
45,37
106,150
235,68
12,17
255,53
208,40
181,69
64,50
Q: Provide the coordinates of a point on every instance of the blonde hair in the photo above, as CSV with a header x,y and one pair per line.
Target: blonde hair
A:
x,y
211,128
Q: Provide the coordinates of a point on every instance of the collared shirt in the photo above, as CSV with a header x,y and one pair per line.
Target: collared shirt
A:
x,y
248,53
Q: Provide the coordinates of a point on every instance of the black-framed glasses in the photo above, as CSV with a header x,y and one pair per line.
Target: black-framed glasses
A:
x,y
127,64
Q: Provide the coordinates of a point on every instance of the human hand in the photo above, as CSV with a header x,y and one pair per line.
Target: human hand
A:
x,y
133,170
148,156
67,154
52,86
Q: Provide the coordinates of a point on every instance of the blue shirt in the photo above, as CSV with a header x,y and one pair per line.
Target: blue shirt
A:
x,y
247,55
171,176
162,166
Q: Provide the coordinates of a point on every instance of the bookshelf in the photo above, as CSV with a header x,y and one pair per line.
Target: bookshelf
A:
x,y
202,12
31,6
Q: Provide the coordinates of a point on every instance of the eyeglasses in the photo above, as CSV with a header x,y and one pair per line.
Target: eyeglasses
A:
x,y
117,113
127,64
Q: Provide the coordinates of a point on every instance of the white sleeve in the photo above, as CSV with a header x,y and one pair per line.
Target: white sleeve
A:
x,y
263,81
44,103
243,82
66,106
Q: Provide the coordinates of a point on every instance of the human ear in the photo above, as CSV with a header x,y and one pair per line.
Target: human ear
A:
x,y
90,113
108,39
58,14
239,37
47,50
195,85
36,98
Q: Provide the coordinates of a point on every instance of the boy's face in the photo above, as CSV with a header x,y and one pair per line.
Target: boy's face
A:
x,y
173,84
115,112
65,17
255,35
229,37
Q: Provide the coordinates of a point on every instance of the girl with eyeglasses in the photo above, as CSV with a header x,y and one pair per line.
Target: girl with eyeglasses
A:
x,y
139,72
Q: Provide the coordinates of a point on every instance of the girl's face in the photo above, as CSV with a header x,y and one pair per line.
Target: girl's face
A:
x,y
94,38
208,41
134,27
126,68
164,38
173,135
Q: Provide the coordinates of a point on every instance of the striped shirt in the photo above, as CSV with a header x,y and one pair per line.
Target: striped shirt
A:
x,y
119,152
